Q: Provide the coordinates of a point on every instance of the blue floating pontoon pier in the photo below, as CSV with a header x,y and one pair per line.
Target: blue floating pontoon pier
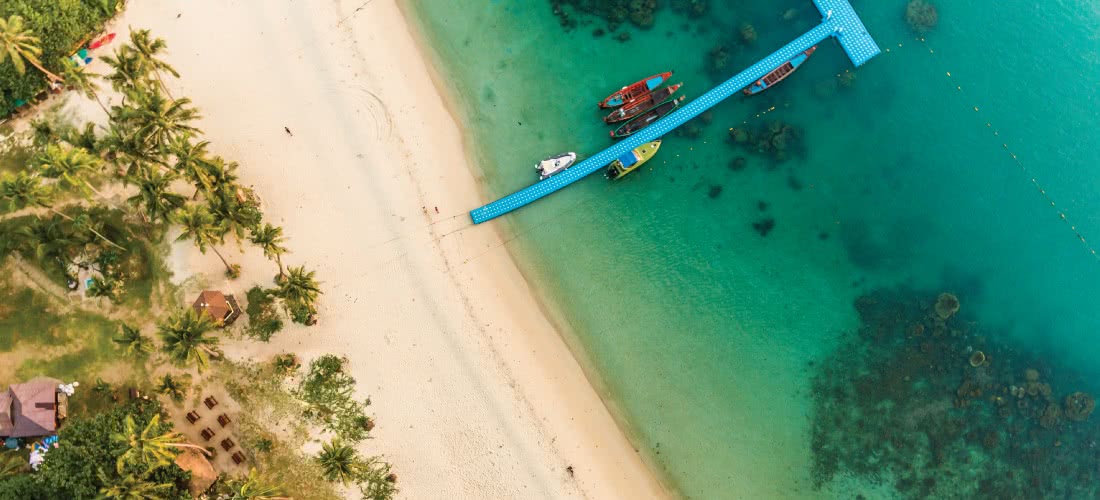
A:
x,y
840,22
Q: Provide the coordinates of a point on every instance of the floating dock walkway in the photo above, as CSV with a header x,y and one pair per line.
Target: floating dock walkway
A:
x,y
840,22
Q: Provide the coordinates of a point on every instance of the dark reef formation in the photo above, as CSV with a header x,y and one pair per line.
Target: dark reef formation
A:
x,y
640,13
921,398
775,139
921,16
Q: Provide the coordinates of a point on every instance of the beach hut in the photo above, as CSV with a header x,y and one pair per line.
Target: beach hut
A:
x,y
32,409
221,308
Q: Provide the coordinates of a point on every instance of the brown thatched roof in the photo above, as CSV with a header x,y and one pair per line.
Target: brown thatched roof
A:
x,y
30,409
202,473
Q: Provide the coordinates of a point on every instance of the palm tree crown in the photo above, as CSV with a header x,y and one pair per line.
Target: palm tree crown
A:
x,y
69,166
185,339
150,446
132,342
155,196
299,286
338,461
270,239
19,44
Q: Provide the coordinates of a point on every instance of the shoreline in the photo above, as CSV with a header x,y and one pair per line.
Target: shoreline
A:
x,y
550,311
475,391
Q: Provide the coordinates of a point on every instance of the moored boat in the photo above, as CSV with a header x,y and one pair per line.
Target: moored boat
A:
x,y
641,104
555,164
778,74
645,119
631,160
634,90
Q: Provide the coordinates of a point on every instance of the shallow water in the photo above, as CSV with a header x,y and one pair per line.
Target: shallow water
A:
x,y
703,330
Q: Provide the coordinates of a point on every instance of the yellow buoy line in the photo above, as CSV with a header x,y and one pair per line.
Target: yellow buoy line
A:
x,y
1023,168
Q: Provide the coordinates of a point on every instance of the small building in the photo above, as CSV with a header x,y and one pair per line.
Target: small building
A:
x,y
222,309
32,409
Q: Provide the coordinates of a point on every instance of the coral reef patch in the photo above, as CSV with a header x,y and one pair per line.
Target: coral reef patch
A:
x,y
922,399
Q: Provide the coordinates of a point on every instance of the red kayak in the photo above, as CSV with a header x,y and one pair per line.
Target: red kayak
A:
x,y
641,104
101,41
634,90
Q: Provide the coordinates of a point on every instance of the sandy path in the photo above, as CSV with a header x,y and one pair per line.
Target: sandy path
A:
x,y
476,395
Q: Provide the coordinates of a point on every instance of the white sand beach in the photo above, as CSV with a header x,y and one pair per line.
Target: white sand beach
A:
x,y
475,393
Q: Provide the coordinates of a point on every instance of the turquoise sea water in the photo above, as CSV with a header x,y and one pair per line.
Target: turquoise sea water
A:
x,y
706,335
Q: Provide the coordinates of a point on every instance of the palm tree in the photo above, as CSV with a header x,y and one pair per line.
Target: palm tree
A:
x,y
338,461
131,487
130,152
147,50
198,225
299,286
23,190
129,71
132,342
150,447
19,44
175,388
192,162
253,488
155,197
69,166
270,239
48,238
83,80
156,120
185,339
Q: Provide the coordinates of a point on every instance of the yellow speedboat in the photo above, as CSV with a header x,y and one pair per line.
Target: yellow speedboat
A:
x,y
630,161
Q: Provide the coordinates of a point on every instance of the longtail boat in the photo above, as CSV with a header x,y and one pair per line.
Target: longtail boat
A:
x,y
778,74
644,120
631,160
632,91
641,104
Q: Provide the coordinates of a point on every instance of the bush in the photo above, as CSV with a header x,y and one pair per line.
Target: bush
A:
x,y
327,391
60,26
263,315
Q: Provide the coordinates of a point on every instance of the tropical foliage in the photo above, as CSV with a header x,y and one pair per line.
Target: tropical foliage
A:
x,y
341,463
133,343
85,465
263,314
58,25
185,340
328,390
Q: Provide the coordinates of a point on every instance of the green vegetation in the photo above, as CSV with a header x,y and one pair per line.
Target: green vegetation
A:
x,y
342,464
47,32
185,340
91,460
263,316
327,391
59,232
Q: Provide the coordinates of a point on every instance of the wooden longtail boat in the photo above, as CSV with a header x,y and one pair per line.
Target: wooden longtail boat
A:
x,y
641,104
632,91
633,159
778,74
645,119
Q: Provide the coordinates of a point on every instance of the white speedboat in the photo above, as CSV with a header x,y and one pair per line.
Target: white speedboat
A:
x,y
555,164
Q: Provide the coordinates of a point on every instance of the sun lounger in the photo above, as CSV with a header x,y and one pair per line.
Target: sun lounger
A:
x,y
237,457
193,416
223,419
210,402
206,433
227,444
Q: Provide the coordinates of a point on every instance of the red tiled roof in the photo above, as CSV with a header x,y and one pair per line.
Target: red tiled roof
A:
x,y
213,303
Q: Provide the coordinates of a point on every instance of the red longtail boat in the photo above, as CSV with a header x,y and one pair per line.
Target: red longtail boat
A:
x,y
634,90
642,104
